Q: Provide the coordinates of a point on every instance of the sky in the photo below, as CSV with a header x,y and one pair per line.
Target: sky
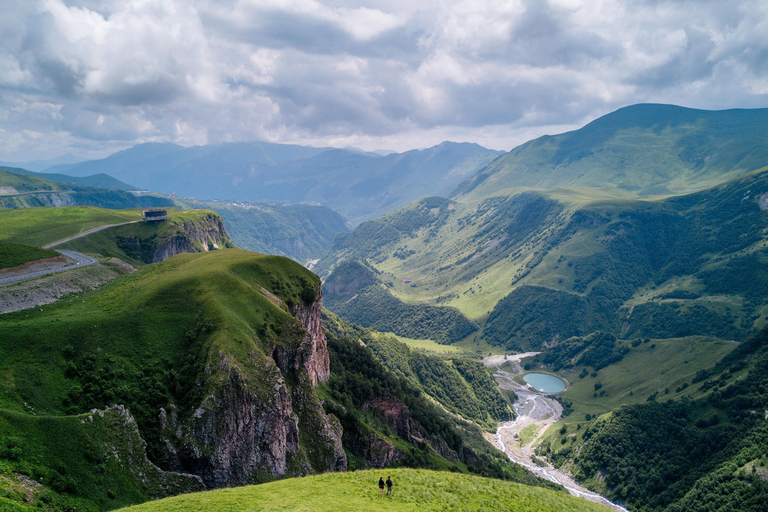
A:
x,y
90,77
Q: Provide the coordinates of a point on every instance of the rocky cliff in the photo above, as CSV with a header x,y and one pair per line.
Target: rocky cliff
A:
x,y
262,417
204,232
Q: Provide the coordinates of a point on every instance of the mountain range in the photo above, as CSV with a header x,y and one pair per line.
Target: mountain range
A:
x,y
358,185
632,255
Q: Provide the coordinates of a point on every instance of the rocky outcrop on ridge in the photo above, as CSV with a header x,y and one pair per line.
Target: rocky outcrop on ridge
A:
x,y
202,234
262,417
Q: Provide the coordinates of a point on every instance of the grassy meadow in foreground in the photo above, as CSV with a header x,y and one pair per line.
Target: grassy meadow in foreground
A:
x,y
414,490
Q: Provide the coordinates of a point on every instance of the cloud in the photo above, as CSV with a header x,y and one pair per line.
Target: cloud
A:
x,y
101,75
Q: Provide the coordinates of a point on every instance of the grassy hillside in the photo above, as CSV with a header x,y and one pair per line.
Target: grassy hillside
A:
x,y
521,265
414,490
301,232
41,226
704,451
12,255
123,336
660,368
144,340
647,150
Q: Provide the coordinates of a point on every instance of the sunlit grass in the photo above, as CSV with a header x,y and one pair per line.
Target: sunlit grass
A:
x,y
414,490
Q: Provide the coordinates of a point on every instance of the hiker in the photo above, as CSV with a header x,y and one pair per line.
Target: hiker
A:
x,y
389,485
381,486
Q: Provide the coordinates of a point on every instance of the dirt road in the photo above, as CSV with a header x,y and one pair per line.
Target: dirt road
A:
x,y
535,414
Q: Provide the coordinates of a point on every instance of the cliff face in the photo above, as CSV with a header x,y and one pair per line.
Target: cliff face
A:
x,y
313,344
201,234
124,444
205,234
262,418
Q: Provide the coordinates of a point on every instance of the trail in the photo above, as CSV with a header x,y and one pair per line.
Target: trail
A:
x,y
536,412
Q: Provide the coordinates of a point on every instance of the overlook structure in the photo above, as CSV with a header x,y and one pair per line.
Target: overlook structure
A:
x,y
154,215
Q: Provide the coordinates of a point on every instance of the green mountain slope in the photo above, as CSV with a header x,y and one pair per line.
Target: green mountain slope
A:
x,y
414,490
188,335
522,265
706,451
643,149
354,292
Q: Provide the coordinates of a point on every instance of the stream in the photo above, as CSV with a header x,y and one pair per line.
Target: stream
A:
x,y
535,413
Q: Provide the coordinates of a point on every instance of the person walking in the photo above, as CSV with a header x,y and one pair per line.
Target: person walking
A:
x,y
381,486
389,486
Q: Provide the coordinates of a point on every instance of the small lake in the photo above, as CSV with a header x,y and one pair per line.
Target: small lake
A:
x,y
544,383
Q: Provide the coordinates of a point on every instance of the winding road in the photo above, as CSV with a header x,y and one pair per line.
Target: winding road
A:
x,y
74,259
535,413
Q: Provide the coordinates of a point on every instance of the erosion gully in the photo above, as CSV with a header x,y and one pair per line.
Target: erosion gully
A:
x,y
535,414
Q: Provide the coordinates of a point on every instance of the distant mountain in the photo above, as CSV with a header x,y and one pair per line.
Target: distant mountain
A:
x,y
42,165
643,149
23,189
97,180
358,185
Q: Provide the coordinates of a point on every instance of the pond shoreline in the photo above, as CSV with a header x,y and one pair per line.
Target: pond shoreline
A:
x,y
545,383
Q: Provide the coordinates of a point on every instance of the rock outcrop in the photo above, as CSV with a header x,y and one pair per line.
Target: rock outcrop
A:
x,y
245,432
129,450
205,234
201,234
314,347
262,418
380,453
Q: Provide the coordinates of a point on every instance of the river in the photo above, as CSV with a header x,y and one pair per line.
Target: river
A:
x,y
535,413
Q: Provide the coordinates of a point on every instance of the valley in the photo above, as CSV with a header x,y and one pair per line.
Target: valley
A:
x,y
407,342
535,412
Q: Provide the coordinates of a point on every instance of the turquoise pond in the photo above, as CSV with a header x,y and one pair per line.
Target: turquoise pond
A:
x,y
544,383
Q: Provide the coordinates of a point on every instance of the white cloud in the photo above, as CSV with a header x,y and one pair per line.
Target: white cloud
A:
x,y
396,73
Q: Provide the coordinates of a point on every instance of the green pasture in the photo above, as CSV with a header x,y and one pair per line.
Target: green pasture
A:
x,y
12,255
414,490
41,226
652,367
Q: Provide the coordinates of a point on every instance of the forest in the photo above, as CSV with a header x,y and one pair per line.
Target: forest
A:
x,y
703,454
